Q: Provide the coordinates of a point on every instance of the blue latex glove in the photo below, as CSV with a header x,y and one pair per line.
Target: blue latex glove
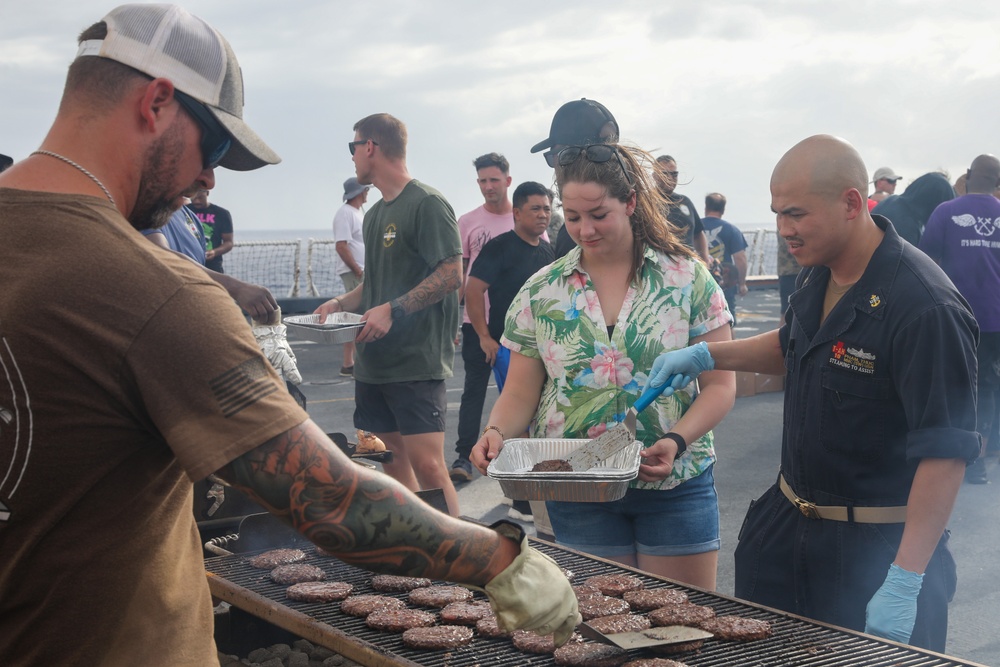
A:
x,y
680,367
892,611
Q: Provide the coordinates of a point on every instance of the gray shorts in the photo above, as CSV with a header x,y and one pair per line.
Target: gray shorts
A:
x,y
351,281
411,408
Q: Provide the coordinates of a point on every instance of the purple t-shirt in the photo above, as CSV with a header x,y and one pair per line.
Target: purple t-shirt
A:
x,y
963,236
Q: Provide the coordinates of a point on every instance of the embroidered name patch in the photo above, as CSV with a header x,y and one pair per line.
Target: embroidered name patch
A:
x,y
852,358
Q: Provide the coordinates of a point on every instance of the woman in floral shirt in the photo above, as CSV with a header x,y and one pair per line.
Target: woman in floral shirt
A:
x,y
584,330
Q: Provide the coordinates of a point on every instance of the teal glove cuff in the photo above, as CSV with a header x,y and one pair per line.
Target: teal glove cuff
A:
x,y
903,583
703,357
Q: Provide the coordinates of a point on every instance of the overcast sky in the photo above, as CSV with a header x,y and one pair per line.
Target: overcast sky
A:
x,y
726,86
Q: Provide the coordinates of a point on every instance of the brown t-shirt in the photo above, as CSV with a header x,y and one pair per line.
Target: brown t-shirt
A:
x,y
125,373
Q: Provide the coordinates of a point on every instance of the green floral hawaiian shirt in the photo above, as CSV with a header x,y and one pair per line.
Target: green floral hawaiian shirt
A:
x,y
593,378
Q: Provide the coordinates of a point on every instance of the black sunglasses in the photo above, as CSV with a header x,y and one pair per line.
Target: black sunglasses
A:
x,y
353,145
596,153
215,140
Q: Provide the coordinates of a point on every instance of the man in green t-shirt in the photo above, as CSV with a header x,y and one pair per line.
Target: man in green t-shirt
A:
x,y
413,269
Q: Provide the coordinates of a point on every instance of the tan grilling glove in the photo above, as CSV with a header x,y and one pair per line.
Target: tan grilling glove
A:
x,y
532,593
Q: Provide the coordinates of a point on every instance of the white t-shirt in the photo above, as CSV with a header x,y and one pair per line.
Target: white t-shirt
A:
x,y
477,227
347,224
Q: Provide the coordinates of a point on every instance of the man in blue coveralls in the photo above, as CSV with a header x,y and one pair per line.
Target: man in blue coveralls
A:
x,y
878,349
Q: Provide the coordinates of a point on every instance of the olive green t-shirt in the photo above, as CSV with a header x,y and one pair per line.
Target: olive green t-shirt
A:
x,y
405,240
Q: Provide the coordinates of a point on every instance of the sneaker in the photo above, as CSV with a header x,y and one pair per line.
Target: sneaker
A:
x,y
520,510
461,470
347,371
976,473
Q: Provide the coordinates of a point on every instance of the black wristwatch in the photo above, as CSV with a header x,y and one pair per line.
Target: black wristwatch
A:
x,y
681,443
398,312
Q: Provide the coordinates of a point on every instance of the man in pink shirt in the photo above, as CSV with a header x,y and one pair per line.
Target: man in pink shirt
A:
x,y
476,228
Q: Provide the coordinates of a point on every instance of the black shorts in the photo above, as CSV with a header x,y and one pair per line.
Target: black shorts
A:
x,y
411,408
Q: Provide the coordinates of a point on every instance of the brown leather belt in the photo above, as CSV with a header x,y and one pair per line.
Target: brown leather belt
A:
x,y
840,513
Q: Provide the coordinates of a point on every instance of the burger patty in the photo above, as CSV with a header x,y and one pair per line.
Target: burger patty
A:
x,y
390,583
296,573
438,637
611,625
488,627
400,620
465,613
319,591
648,600
362,605
590,655
602,605
679,647
552,465
653,662
583,592
439,596
615,584
272,559
527,641
691,615
737,628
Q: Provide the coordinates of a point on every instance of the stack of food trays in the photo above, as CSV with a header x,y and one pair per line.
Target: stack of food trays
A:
x,y
603,483
335,328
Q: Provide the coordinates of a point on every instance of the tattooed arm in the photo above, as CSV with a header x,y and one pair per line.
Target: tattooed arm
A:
x,y
364,517
445,279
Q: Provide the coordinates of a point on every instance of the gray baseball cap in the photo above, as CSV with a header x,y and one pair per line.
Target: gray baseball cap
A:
x,y
166,41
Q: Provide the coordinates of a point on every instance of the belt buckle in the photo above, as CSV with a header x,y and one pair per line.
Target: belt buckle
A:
x,y
807,508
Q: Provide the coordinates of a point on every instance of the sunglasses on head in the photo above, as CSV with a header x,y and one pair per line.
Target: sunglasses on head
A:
x,y
596,153
353,145
215,140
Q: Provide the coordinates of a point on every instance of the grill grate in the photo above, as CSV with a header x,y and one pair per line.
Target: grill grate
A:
x,y
794,642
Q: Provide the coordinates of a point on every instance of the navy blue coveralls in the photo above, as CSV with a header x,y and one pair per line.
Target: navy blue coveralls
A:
x,y
887,379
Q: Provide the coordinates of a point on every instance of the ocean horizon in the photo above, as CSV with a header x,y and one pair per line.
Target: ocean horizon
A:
x,y
326,233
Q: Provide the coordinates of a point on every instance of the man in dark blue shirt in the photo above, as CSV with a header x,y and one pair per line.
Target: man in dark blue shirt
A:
x,y
878,349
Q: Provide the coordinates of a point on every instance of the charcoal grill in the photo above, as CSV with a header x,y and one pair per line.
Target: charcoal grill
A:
x,y
796,641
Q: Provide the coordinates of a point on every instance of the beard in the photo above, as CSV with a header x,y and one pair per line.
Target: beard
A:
x,y
156,200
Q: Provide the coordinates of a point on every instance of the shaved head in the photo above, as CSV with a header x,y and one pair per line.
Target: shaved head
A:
x,y
824,165
983,175
818,193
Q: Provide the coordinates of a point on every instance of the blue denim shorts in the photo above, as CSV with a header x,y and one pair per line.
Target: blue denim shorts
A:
x,y
674,522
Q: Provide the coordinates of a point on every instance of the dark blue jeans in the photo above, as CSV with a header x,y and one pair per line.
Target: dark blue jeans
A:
x,y
477,378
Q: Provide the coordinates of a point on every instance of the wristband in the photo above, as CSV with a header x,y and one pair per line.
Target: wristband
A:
x,y
681,443
493,428
339,303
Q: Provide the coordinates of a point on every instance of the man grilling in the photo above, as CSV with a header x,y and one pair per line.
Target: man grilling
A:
x,y
117,402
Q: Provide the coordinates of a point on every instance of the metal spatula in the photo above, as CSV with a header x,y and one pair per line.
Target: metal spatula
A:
x,y
615,438
673,634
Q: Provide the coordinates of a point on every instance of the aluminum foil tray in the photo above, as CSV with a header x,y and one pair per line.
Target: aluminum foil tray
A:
x,y
337,328
604,483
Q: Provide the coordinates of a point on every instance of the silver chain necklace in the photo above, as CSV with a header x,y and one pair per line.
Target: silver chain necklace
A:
x,y
85,173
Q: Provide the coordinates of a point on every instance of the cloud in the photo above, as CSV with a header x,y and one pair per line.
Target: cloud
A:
x,y
726,87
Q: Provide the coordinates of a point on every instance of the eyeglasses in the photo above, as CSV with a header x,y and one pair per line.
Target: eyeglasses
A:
x,y
215,140
596,153
353,145
671,174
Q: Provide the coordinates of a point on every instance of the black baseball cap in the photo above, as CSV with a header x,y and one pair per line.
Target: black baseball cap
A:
x,y
576,123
